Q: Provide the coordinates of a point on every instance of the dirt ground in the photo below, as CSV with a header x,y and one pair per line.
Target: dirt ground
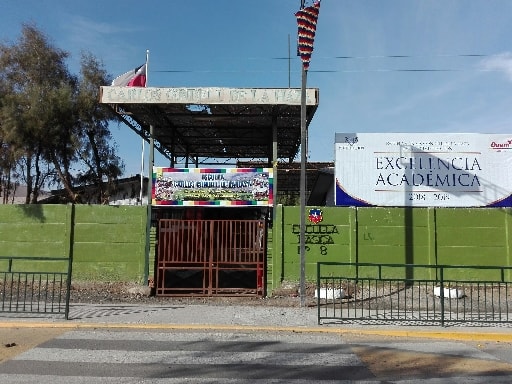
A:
x,y
14,340
128,293
389,364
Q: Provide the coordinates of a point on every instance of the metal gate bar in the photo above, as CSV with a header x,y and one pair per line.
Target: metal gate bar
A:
x,y
210,257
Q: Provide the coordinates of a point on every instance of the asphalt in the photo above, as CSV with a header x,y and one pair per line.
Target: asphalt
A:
x,y
240,318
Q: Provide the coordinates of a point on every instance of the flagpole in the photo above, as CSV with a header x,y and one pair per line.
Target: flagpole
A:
x,y
141,173
142,154
149,190
147,63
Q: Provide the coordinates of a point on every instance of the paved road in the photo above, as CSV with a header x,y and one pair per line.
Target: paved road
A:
x,y
204,344
128,356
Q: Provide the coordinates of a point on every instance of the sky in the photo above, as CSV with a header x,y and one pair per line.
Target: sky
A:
x,y
380,66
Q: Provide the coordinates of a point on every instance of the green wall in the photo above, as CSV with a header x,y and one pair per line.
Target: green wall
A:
x,y
35,231
109,242
332,239
428,236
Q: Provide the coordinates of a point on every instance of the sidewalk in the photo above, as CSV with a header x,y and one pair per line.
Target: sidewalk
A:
x,y
239,318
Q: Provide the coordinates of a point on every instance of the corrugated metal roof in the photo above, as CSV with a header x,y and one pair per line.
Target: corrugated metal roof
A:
x,y
215,123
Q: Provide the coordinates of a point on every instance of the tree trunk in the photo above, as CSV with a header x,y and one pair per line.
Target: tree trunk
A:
x,y
29,178
66,181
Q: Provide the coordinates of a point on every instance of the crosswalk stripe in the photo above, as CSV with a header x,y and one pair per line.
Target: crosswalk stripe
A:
x,y
185,357
30,379
162,370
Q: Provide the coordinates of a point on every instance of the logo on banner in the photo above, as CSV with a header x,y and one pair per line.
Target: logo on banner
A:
x,y
503,145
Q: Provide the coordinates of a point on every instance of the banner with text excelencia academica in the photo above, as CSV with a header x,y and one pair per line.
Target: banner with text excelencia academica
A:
x,y
213,187
423,169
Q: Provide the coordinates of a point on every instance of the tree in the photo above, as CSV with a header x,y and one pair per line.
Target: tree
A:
x,y
101,164
33,75
51,121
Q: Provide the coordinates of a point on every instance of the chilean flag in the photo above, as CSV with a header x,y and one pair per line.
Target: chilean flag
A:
x,y
134,78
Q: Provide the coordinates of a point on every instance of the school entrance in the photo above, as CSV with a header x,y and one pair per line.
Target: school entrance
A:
x,y
211,256
198,127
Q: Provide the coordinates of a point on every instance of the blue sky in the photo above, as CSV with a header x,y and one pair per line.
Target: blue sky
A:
x,y
381,66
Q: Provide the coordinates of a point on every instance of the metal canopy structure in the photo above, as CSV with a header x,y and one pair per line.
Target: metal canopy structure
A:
x,y
215,123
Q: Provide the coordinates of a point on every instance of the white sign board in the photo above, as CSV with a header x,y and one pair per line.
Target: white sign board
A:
x,y
423,169
208,95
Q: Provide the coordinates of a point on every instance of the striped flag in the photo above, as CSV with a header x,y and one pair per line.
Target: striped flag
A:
x,y
134,78
306,20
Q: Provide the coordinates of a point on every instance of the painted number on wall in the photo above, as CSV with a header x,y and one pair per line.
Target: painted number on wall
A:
x,y
318,234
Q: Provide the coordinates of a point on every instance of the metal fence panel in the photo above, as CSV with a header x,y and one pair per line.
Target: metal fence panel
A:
x,y
23,290
365,292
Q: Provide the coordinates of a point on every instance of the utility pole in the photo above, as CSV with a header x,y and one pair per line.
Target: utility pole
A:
x,y
303,153
306,20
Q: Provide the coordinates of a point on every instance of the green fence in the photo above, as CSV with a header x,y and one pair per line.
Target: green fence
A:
x,y
109,242
429,236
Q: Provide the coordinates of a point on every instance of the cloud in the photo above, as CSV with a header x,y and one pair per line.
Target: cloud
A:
x,y
112,42
500,63
86,32
421,96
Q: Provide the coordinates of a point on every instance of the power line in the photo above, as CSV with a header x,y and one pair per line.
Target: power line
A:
x,y
328,70
346,57
356,57
336,58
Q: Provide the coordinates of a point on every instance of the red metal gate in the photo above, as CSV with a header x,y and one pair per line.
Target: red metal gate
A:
x,y
211,257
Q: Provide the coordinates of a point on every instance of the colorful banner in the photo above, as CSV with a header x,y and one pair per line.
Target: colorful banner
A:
x,y
423,169
215,187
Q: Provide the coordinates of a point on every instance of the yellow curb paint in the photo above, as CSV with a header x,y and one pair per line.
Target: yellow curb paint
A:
x,y
446,335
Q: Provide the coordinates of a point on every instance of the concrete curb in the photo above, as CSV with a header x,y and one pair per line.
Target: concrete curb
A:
x,y
468,335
